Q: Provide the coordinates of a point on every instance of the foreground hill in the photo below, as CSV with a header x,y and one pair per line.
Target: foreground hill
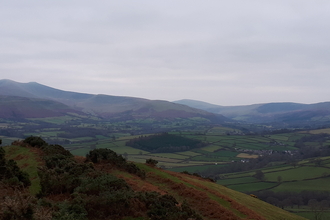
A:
x,y
105,186
285,113
106,106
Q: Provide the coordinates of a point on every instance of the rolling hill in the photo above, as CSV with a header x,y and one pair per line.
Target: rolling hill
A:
x,y
106,106
123,191
285,113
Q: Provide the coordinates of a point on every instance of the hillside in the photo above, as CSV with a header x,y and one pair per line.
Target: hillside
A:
x,y
140,191
282,114
14,107
106,106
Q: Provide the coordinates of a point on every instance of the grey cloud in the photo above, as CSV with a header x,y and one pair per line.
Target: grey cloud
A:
x,y
237,52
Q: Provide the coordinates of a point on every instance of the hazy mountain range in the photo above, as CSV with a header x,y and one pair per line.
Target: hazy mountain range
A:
x,y
24,100
33,100
285,112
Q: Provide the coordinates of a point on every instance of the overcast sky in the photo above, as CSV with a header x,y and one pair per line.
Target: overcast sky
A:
x,y
234,52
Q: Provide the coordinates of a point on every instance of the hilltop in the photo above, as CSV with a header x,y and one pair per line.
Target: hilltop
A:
x,y
66,186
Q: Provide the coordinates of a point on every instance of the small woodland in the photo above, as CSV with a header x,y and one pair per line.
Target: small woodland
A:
x,y
164,143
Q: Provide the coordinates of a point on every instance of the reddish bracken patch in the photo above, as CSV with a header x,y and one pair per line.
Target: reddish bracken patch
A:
x,y
141,185
79,159
20,157
198,200
235,205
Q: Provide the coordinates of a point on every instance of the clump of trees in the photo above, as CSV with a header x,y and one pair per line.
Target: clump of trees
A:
x,y
108,156
314,199
164,143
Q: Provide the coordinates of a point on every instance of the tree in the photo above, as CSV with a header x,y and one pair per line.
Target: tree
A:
x,y
125,155
279,179
317,162
259,175
151,162
318,208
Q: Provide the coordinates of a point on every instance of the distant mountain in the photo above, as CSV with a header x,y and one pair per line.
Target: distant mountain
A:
x,y
106,106
283,113
14,107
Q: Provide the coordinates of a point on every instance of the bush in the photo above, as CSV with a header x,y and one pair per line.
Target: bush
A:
x,y
151,162
35,141
107,155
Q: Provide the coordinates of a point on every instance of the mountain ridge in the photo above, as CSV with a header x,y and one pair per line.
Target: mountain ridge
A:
x,y
280,112
106,106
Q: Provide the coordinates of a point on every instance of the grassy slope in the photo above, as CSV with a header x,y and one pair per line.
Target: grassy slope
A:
x,y
211,200
27,159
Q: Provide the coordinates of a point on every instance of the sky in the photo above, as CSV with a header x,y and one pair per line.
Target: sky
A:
x,y
234,52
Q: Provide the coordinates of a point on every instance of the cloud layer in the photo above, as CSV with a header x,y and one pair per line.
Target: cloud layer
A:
x,y
228,53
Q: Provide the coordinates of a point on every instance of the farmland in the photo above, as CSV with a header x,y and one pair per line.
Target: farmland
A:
x,y
309,176
220,148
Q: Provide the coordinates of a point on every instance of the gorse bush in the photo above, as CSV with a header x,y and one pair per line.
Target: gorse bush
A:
x,y
35,141
110,157
151,162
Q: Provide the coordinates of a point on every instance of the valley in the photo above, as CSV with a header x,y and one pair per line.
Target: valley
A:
x,y
277,152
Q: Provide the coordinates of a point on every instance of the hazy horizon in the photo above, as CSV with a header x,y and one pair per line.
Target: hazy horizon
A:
x,y
224,53
164,99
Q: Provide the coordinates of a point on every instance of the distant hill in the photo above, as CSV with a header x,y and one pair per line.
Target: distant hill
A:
x,y
14,107
106,106
283,113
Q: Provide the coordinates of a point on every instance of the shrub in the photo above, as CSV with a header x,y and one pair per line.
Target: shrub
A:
x,y
151,162
35,141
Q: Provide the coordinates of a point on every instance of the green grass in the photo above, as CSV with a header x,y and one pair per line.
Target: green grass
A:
x,y
188,153
237,181
27,161
194,169
252,187
321,184
211,148
299,173
80,151
170,155
270,212
55,120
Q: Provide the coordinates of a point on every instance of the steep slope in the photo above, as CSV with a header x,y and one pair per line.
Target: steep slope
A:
x,y
284,113
209,200
105,105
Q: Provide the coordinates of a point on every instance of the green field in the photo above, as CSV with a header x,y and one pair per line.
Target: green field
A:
x,y
251,187
299,173
321,184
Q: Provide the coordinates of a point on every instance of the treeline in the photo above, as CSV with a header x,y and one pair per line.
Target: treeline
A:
x,y
89,193
290,199
164,143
